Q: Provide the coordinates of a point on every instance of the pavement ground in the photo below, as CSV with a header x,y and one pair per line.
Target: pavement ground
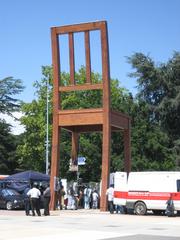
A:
x,y
87,224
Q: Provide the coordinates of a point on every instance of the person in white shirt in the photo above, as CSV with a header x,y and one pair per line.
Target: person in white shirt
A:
x,y
110,194
87,197
95,199
34,195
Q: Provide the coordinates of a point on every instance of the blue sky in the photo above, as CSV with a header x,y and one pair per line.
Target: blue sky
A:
x,y
148,26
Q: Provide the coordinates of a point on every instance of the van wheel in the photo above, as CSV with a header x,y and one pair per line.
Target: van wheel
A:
x,y
140,208
9,205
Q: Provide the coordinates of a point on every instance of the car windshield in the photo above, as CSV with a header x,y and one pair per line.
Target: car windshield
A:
x,y
10,192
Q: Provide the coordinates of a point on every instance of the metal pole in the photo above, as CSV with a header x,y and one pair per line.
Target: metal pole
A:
x,y
47,127
77,174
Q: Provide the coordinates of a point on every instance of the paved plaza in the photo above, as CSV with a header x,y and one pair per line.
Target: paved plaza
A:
x,y
87,224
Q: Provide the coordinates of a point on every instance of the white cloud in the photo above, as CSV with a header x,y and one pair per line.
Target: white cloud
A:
x,y
16,127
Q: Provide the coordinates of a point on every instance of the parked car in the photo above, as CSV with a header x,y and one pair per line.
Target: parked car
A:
x,y
11,199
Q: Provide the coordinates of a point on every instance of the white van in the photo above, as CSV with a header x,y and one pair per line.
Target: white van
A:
x,y
142,191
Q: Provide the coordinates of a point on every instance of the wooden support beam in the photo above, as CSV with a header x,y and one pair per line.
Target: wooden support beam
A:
x,y
80,117
54,162
127,149
106,117
75,146
105,165
79,27
56,129
82,87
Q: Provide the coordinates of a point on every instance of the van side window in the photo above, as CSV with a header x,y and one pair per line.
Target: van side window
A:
x,y
178,185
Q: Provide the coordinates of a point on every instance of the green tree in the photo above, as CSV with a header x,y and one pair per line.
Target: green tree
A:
x,y
150,145
32,150
8,144
9,88
158,86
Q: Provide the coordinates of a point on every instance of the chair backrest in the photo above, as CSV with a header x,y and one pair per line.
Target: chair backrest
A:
x,y
88,85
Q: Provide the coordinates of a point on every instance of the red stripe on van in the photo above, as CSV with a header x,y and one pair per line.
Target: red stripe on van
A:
x,y
145,195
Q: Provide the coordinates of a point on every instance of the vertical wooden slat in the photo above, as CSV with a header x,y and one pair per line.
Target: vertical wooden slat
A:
x,y
88,57
71,58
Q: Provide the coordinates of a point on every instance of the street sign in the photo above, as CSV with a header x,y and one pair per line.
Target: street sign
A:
x,y
81,161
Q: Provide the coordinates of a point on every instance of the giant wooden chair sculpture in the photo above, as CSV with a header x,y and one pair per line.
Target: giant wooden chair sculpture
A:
x,y
85,120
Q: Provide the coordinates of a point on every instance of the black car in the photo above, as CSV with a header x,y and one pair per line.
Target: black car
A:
x,y
11,199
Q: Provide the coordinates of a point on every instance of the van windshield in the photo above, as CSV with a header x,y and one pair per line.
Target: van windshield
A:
x,y
178,185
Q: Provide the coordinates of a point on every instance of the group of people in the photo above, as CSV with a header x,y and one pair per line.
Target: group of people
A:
x,y
91,198
84,197
32,200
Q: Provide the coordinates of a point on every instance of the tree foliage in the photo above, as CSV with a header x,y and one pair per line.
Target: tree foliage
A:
x,y
8,145
159,86
150,145
9,88
32,151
